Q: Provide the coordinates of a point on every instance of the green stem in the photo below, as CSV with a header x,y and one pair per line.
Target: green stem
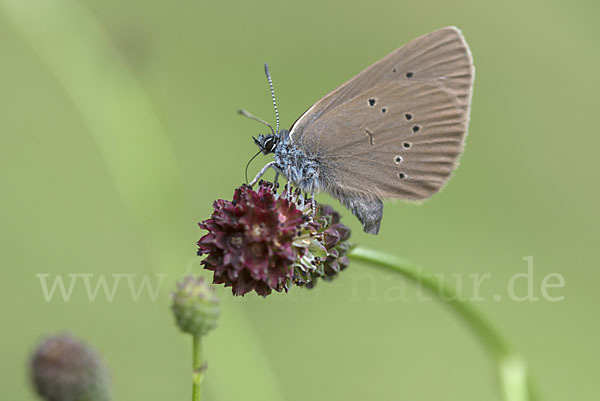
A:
x,y
198,368
512,370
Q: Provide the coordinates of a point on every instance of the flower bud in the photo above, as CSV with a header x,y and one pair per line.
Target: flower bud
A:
x,y
195,305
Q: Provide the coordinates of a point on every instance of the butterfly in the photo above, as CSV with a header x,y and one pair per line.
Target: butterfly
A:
x,y
394,131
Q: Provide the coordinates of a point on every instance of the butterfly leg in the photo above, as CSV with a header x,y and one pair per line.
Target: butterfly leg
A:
x,y
261,173
289,183
275,181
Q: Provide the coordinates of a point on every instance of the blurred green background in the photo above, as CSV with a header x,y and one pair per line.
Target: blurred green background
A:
x,y
119,128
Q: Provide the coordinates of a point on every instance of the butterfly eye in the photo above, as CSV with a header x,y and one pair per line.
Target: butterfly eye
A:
x,y
270,144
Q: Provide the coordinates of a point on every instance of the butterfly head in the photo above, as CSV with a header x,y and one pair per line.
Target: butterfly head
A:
x,y
266,143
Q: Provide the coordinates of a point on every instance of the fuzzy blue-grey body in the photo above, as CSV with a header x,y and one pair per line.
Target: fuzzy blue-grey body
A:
x,y
305,170
297,166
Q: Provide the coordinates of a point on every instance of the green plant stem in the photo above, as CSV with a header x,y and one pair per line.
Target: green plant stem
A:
x,y
511,367
198,368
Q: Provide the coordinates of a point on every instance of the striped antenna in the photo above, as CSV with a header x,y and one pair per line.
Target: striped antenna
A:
x,y
272,95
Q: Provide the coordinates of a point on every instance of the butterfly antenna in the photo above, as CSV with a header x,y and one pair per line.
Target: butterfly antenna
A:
x,y
272,94
246,114
250,161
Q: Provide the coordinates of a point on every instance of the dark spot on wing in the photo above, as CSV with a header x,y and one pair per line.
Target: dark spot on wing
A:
x,y
416,128
408,116
410,74
372,102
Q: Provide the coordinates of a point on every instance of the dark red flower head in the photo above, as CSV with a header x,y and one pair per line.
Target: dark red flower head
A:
x,y
266,241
